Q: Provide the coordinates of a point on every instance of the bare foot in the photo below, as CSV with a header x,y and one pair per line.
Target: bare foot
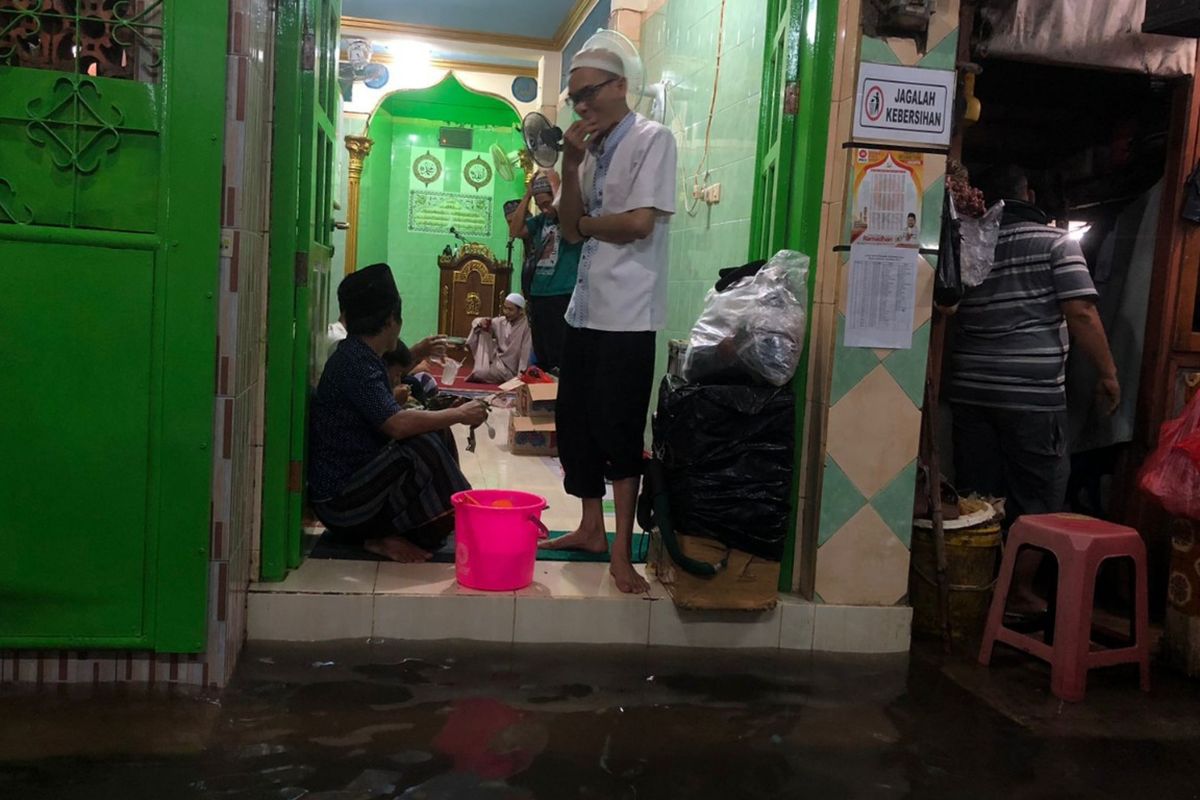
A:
x,y
397,548
590,540
627,578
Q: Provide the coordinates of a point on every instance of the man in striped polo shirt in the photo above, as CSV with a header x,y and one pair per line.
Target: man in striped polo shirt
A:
x,y
1008,367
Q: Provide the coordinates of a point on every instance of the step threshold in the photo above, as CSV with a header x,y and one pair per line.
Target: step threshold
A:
x,y
568,603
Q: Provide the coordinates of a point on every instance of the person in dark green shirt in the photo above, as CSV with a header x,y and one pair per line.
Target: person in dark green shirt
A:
x,y
555,269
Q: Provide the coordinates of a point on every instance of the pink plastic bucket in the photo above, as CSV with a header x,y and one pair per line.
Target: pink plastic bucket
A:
x,y
496,534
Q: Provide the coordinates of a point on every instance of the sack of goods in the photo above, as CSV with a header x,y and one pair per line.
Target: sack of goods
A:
x,y
727,454
752,330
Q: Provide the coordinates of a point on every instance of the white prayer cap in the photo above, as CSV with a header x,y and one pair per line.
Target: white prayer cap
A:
x,y
516,300
599,58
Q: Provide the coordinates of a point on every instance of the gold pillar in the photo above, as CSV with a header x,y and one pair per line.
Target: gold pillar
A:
x,y
527,165
359,147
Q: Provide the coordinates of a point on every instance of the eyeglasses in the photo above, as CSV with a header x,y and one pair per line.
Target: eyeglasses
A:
x,y
588,93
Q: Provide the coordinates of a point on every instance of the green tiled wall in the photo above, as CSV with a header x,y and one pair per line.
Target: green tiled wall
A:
x,y
679,44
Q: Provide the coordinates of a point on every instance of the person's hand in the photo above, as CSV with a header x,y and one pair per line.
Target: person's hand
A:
x,y
485,323
1108,395
402,394
472,414
575,143
552,176
423,366
429,347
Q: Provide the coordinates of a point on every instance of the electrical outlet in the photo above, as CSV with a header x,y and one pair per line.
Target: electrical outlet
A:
x,y
712,194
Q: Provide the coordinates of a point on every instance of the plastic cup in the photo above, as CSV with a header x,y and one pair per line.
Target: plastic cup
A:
x,y
449,371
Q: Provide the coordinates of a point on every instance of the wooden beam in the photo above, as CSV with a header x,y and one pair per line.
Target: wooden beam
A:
x,y
434,33
466,65
556,43
572,22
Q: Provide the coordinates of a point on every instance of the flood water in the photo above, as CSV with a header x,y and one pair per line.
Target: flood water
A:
x,y
436,721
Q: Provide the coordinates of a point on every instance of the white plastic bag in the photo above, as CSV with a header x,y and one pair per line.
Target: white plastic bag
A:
x,y
754,329
979,237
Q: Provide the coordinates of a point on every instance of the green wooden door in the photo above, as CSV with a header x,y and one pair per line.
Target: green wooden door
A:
x,y
777,127
801,42
110,163
797,94
307,109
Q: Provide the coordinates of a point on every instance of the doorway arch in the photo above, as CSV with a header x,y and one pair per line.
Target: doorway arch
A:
x,y
383,184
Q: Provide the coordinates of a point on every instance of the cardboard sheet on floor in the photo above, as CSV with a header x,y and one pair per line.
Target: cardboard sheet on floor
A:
x,y
747,583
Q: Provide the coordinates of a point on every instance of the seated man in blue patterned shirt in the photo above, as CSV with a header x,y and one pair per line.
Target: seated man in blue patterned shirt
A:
x,y
379,474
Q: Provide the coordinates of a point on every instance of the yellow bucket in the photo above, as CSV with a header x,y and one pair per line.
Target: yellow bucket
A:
x,y
972,558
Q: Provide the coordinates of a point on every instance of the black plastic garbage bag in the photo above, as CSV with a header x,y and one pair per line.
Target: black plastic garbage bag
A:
x,y
727,454
947,281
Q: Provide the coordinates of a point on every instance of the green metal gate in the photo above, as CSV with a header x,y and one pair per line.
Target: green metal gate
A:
x,y
801,41
307,105
111,121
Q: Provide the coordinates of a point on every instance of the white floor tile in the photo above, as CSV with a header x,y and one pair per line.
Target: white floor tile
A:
x,y
861,629
326,576
595,620
491,466
274,616
570,579
677,627
480,617
430,580
796,625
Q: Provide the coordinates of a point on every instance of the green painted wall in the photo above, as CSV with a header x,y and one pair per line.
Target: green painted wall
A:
x,y
373,203
384,234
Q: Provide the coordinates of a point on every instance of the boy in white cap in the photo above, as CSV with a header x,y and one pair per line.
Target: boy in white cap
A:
x,y
618,195
551,269
501,345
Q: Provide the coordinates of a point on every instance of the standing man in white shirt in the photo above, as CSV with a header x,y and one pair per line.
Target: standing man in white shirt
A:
x,y
618,195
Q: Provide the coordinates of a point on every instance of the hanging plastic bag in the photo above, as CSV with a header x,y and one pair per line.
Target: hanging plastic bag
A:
x,y
947,280
978,248
753,332
1171,475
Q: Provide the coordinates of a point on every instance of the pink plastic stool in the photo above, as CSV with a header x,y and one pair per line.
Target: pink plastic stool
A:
x,y
1080,544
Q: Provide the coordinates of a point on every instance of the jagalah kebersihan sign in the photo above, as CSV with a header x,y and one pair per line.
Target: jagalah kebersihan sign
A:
x,y
907,105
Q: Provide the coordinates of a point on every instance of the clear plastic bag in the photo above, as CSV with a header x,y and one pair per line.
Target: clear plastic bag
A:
x,y
754,330
1171,475
978,247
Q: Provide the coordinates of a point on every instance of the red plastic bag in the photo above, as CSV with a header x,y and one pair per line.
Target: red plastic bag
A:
x,y
1171,474
535,375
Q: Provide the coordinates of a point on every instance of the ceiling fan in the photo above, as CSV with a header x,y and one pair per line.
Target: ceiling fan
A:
x,y
358,68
